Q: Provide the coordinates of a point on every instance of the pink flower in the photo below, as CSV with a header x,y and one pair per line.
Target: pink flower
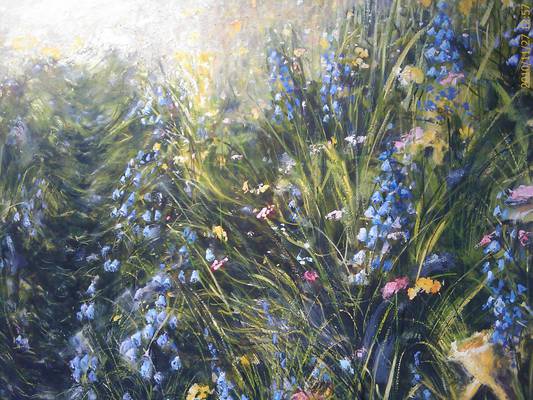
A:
x,y
394,286
485,240
452,78
310,276
300,395
266,212
334,215
521,194
360,353
217,264
523,236
412,136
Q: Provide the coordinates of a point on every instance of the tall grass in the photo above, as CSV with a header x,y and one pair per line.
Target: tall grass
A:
x,y
259,193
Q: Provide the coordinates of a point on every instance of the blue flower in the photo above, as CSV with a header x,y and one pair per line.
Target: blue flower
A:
x,y
346,365
111,266
146,368
175,363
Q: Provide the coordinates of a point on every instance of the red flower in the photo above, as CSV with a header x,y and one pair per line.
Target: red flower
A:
x,y
485,240
217,264
523,236
310,276
394,286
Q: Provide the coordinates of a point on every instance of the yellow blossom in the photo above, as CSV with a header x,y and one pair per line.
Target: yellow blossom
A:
x,y
220,233
411,74
299,52
245,362
426,3
466,132
427,285
198,392
156,147
465,6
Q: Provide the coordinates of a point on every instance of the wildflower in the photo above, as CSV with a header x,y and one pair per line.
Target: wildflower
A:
x,y
195,277
198,392
394,286
310,276
360,353
111,266
334,215
466,132
300,395
217,264
209,255
520,195
524,237
220,233
485,240
426,285
346,365
175,363
266,212
452,78
22,343
361,278
146,368
410,74
190,235
362,235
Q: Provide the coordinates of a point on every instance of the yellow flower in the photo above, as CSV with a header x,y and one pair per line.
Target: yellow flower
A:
x,y
52,52
220,233
411,74
198,392
466,132
299,52
465,6
245,362
360,52
324,43
427,285
426,3
412,292
236,26
432,139
156,147
245,187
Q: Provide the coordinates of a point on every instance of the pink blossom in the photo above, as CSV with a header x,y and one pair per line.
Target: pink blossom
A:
x,y
485,240
394,286
360,353
523,236
266,212
521,193
412,136
310,276
452,78
334,215
217,264
300,395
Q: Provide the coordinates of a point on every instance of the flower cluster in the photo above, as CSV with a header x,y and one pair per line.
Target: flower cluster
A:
x,y
519,40
505,248
283,87
84,366
389,215
152,350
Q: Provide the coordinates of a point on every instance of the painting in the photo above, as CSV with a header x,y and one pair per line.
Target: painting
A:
x,y
266,199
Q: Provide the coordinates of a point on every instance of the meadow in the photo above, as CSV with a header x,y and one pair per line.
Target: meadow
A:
x,y
363,230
